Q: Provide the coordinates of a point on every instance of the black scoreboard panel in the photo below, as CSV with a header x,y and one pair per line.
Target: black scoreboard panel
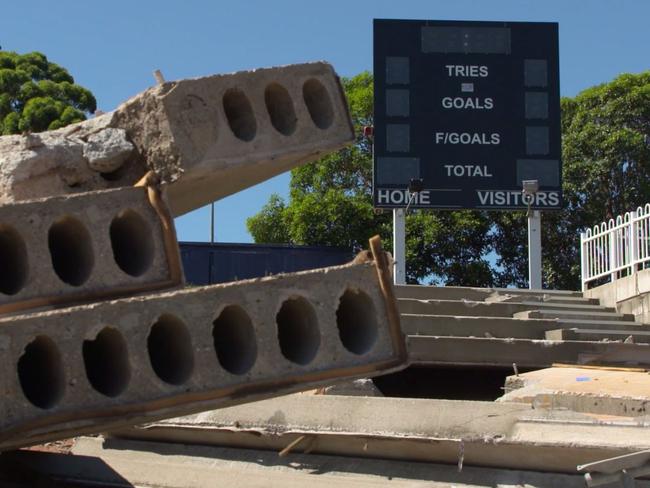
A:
x,y
471,109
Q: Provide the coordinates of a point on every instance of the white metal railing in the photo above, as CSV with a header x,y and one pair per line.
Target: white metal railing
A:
x,y
616,247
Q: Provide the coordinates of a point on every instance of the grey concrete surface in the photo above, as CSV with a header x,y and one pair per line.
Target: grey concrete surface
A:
x,y
503,435
529,353
420,292
587,334
607,392
207,137
488,309
630,294
78,247
91,367
503,327
569,314
132,463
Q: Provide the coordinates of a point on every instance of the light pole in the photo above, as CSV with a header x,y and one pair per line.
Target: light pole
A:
x,y
416,185
530,189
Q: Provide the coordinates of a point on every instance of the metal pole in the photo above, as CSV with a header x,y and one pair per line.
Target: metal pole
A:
x,y
399,246
584,259
212,223
534,250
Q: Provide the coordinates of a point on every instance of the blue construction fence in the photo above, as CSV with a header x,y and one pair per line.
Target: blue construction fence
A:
x,y
209,263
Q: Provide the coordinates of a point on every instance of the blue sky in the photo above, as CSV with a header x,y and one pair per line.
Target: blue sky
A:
x,y
113,47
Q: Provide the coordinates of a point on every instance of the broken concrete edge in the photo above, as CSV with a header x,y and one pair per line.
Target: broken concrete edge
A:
x,y
56,162
621,392
158,202
170,171
65,423
505,435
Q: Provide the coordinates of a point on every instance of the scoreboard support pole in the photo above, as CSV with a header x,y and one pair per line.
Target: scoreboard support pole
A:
x,y
399,246
535,250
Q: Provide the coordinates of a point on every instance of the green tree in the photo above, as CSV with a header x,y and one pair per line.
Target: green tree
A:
x,y
330,203
606,159
38,95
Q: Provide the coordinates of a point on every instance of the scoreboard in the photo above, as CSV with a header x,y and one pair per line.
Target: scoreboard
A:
x,y
471,109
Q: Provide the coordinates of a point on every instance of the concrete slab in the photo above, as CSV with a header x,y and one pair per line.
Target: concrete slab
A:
x,y
474,351
185,466
420,292
578,334
505,435
569,314
93,367
83,247
600,391
487,309
503,327
207,137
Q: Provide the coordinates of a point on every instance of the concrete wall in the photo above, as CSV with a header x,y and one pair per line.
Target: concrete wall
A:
x,y
629,295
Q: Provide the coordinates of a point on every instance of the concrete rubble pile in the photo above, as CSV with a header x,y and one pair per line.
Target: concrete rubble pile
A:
x,y
97,330
206,138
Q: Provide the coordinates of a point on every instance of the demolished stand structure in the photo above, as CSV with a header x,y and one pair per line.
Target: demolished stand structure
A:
x,y
97,330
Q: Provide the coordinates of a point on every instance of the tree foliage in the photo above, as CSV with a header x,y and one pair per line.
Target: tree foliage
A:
x,y
38,95
606,171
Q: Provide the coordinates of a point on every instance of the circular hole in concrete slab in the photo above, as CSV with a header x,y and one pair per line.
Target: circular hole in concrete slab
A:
x,y
71,251
170,350
298,332
234,340
13,261
280,107
356,319
239,113
132,242
106,359
318,103
41,374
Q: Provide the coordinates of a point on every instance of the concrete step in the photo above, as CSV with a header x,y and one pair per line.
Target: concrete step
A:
x,y
569,314
572,300
468,293
474,351
487,309
504,327
542,298
575,334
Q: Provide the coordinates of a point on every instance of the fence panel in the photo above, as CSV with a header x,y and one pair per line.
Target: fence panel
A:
x,y
616,248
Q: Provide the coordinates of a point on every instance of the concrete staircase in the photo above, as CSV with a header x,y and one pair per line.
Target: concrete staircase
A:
x,y
532,328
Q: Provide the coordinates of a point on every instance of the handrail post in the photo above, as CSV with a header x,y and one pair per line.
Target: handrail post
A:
x,y
611,258
583,261
634,240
